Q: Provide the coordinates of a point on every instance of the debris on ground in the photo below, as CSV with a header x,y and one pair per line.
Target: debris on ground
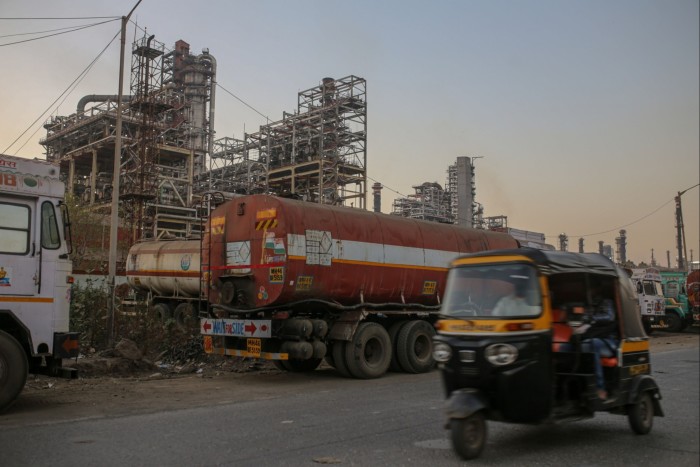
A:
x,y
126,359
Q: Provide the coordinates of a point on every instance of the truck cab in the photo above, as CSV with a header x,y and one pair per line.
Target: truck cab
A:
x,y
678,315
35,274
651,297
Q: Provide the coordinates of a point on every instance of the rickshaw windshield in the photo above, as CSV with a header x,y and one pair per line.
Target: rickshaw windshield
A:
x,y
494,290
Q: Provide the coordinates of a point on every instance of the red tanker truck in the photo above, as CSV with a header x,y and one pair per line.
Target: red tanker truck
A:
x,y
297,282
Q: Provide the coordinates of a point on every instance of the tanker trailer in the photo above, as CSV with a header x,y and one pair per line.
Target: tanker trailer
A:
x,y
296,282
169,272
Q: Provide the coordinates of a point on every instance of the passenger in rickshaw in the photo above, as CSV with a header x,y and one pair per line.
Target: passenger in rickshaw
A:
x,y
598,335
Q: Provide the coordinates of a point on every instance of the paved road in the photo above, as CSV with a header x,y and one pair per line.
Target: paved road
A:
x,y
322,419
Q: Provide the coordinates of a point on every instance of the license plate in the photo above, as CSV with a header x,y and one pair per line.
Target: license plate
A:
x,y
254,347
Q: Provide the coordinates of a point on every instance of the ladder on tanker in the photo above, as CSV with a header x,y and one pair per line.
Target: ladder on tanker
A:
x,y
207,204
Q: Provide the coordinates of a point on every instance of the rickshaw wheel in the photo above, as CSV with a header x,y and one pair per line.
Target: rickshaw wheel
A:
x,y
641,414
469,435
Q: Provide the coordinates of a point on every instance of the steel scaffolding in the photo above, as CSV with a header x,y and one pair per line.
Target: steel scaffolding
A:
x,y
317,153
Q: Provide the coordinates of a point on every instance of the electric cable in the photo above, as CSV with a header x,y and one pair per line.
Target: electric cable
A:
x,y
67,90
39,32
243,102
56,34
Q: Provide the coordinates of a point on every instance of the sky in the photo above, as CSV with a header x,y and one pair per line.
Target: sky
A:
x,y
584,113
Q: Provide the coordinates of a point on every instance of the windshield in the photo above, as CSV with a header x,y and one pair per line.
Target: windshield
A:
x,y
494,290
652,288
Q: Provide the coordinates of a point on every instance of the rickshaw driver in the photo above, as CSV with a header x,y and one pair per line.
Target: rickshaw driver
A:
x,y
517,303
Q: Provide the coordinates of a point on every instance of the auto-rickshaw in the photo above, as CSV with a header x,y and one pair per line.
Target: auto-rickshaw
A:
x,y
530,363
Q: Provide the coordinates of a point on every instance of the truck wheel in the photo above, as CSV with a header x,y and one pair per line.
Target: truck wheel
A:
x,y
469,435
674,322
369,353
414,347
184,316
162,312
647,327
339,358
393,335
641,414
13,369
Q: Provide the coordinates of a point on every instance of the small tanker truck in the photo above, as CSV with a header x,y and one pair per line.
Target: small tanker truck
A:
x,y
297,282
35,275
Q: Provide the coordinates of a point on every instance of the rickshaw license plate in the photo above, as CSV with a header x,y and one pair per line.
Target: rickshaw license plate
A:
x,y
254,347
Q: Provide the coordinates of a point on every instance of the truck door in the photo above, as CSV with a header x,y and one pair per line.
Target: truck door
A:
x,y
19,260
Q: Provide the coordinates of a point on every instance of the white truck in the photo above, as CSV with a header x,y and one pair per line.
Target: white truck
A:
x,y
651,297
35,275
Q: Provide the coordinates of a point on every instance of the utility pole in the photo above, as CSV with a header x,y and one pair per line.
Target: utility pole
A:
x,y
680,232
114,219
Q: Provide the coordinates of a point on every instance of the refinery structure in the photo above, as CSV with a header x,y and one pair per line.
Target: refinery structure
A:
x,y
170,158
453,204
171,163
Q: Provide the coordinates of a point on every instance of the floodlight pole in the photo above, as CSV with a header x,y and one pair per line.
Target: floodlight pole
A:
x,y
114,218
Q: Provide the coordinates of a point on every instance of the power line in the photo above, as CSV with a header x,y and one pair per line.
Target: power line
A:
x,y
58,33
69,89
60,18
243,102
35,32
625,225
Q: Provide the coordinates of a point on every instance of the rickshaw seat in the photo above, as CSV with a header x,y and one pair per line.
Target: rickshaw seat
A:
x,y
609,362
561,331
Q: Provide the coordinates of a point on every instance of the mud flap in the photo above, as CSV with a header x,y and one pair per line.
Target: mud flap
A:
x,y
465,402
66,345
644,383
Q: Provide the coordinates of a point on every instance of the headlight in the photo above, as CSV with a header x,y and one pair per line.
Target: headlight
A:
x,y
501,354
441,352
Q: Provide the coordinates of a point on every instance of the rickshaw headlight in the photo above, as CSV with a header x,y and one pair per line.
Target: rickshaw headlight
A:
x,y
501,354
442,352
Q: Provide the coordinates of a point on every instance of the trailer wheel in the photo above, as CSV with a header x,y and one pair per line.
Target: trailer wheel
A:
x,y
641,414
415,347
469,435
162,312
674,322
13,369
184,316
369,353
339,358
394,329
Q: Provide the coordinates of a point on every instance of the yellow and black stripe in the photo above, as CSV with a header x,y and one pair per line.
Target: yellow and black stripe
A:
x,y
266,224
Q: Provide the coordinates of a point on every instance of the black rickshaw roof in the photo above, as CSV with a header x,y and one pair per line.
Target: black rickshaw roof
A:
x,y
558,262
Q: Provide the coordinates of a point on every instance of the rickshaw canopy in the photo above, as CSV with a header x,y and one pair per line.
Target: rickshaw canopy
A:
x,y
551,263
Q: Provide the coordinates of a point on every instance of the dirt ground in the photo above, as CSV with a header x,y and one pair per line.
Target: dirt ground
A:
x,y
112,387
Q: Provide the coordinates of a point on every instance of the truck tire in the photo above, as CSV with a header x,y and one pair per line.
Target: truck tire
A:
x,y
184,316
414,347
14,368
339,358
393,335
162,312
368,354
674,322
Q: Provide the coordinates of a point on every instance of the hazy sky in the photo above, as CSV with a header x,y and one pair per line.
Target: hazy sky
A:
x,y
585,112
